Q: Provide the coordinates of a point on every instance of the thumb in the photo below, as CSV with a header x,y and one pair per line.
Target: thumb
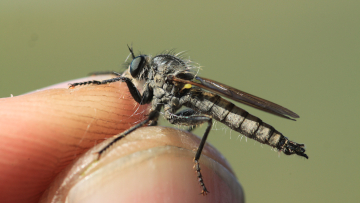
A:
x,y
152,164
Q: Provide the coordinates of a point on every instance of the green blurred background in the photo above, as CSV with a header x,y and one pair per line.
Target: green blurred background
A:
x,y
302,54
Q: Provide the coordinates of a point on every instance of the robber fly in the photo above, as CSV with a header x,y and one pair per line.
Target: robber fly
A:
x,y
170,83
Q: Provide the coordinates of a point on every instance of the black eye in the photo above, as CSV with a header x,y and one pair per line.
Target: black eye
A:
x,y
136,65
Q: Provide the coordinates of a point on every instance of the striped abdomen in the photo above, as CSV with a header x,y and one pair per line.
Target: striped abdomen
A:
x,y
242,122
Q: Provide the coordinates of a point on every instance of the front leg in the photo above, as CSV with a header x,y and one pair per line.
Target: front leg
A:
x,y
190,117
96,82
141,99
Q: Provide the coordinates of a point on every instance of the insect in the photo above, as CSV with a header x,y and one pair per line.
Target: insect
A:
x,y
171,83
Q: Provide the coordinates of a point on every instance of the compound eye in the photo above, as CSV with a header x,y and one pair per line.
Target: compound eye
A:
x,y
136,65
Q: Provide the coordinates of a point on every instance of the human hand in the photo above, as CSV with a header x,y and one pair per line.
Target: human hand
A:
x,y
44,132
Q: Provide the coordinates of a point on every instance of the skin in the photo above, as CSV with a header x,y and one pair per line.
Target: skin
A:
x,y
49,141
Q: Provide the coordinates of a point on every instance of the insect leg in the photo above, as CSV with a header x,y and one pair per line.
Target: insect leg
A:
x,y
153,115
96,82
141,99
188,112
194,120
198,153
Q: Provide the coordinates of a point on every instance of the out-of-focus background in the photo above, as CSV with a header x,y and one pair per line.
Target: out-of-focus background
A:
x,y
304,55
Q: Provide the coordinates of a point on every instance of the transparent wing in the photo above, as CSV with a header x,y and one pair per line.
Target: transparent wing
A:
x,y
240,96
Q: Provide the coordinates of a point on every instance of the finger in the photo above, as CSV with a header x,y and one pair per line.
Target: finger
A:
x,y
42,132
152,164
